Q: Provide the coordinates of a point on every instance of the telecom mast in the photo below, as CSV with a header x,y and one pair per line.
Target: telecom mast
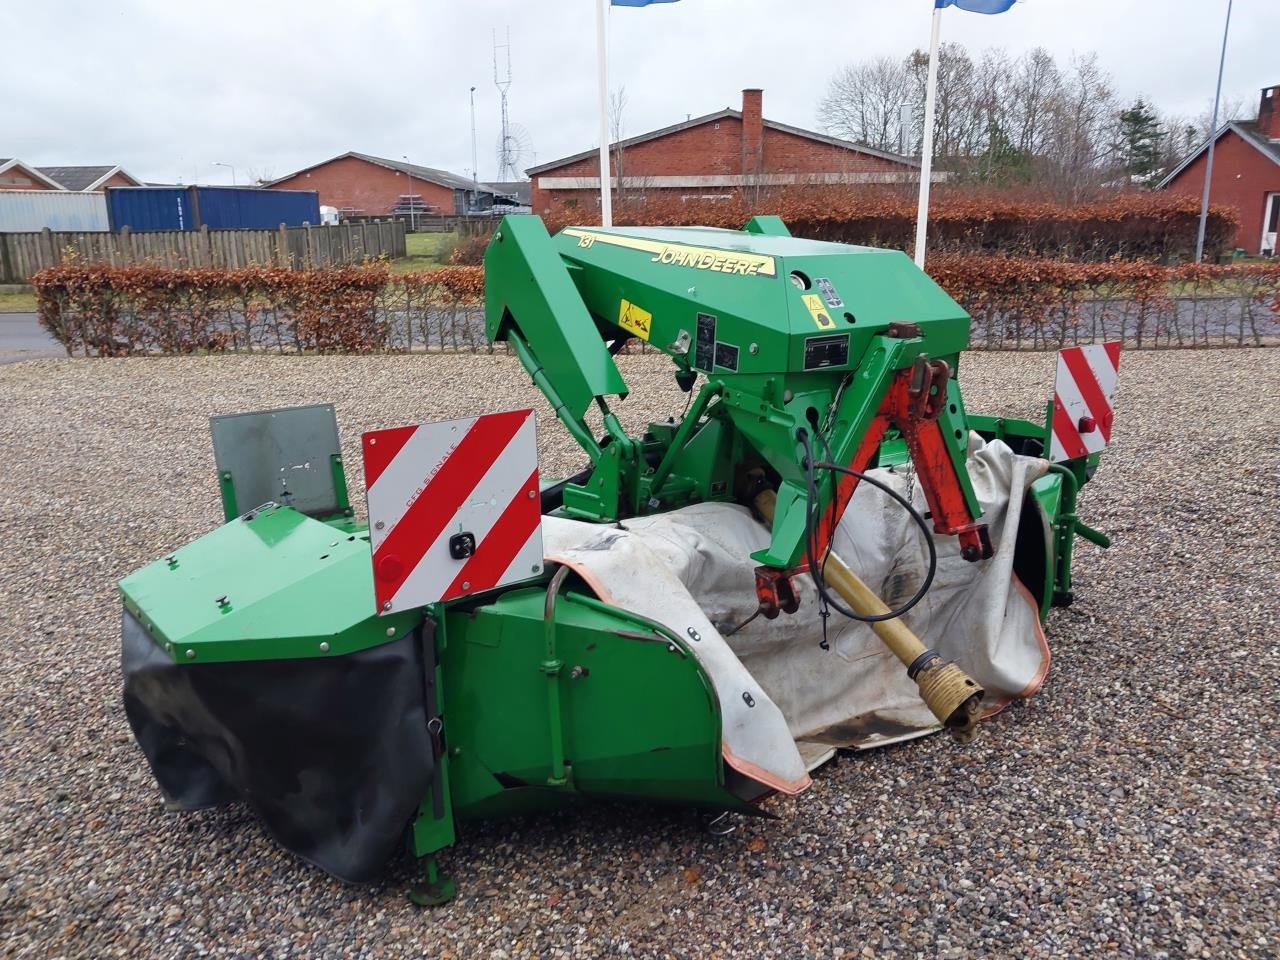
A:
x,y
513,141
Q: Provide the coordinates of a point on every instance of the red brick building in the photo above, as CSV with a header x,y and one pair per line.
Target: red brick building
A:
x,y
716,156
359,185
1246,174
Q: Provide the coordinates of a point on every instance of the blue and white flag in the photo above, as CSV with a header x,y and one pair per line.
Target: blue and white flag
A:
x,y
637,3
973,6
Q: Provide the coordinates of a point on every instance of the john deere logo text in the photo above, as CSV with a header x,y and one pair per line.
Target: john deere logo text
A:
x,y
679,255
743,264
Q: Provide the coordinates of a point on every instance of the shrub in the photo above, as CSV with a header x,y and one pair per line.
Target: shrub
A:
x,y
469,250
1130,225
1019,301
112,311
1015,302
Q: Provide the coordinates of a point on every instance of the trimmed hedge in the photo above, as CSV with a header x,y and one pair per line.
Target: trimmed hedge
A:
x,y
1151,226
101,310
1015,302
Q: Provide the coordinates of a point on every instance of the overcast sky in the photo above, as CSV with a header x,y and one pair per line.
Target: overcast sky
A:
x,y
167,87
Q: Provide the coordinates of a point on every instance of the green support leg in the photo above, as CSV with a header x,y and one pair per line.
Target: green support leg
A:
x,y
433,829
1066,529
436,888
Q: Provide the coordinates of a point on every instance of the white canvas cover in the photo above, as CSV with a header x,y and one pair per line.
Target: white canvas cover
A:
x,y
785,701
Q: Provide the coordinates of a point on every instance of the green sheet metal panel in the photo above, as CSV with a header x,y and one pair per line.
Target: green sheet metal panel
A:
x,y
774,291
274,585
523,275
640,718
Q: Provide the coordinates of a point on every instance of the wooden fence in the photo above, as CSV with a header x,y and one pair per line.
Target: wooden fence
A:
x,y
442,223
297,248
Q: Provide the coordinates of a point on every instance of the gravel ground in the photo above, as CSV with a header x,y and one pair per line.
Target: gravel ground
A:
x,y
1131,807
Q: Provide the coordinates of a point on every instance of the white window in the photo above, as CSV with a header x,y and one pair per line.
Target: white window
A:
x,y
1270,220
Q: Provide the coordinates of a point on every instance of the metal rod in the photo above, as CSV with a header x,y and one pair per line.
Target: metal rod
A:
x,y
602,72
539,376
895,634
413,219
947,691
926,151
1213,137
681,436
550,666
475,174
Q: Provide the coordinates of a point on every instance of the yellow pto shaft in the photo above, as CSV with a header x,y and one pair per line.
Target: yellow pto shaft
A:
x,y
950,694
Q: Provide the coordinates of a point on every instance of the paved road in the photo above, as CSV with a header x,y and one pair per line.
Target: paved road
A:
x,y
22,338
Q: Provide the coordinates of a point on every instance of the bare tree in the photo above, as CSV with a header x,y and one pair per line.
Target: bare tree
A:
x,y
261,175
958,128
1081,123
1229,111
617,108
999,118
864,102
1034,85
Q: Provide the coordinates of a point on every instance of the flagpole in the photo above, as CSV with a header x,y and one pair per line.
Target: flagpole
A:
x,y
1213,136
606,196
926,151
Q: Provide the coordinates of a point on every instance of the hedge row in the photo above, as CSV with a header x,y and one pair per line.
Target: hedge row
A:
x,y
99,310
1154,226
1017,302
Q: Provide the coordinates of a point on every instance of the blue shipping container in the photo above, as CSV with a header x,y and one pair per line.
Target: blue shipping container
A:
x,y
218,208
150,208
247,208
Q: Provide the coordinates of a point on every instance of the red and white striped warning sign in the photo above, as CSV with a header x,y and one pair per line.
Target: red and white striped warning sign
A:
x,y
1083,395
454,508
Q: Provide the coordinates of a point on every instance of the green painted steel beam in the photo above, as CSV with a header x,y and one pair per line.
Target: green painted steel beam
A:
x,y
526,280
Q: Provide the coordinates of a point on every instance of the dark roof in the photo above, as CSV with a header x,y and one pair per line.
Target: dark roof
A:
x,y
725,114
76,178
1248,131
521,190
443,177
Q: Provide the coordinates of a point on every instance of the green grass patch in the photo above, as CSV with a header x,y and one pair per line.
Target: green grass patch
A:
x,y
17,303
434,246
425,251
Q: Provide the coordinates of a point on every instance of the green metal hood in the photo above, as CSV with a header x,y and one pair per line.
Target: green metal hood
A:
x,y
275,584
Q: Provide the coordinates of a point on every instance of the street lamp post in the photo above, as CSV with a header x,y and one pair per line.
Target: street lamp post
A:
x,y
219,163
1213,136
475,174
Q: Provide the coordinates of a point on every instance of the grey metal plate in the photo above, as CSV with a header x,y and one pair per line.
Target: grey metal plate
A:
x,y
283,455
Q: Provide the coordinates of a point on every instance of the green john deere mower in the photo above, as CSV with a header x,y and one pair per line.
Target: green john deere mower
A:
x,y
826,550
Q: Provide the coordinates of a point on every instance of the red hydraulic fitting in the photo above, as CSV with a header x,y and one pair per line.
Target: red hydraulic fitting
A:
x,y
775,592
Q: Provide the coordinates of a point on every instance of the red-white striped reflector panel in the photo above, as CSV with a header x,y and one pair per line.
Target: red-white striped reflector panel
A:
x,y
1083,400
454,508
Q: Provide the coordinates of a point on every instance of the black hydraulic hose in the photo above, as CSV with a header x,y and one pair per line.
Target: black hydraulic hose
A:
x,y
811,506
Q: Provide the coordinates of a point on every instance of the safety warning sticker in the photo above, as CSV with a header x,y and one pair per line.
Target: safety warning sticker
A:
x,y
1084,400
727,356
828,291
634,319
818,310
704,348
